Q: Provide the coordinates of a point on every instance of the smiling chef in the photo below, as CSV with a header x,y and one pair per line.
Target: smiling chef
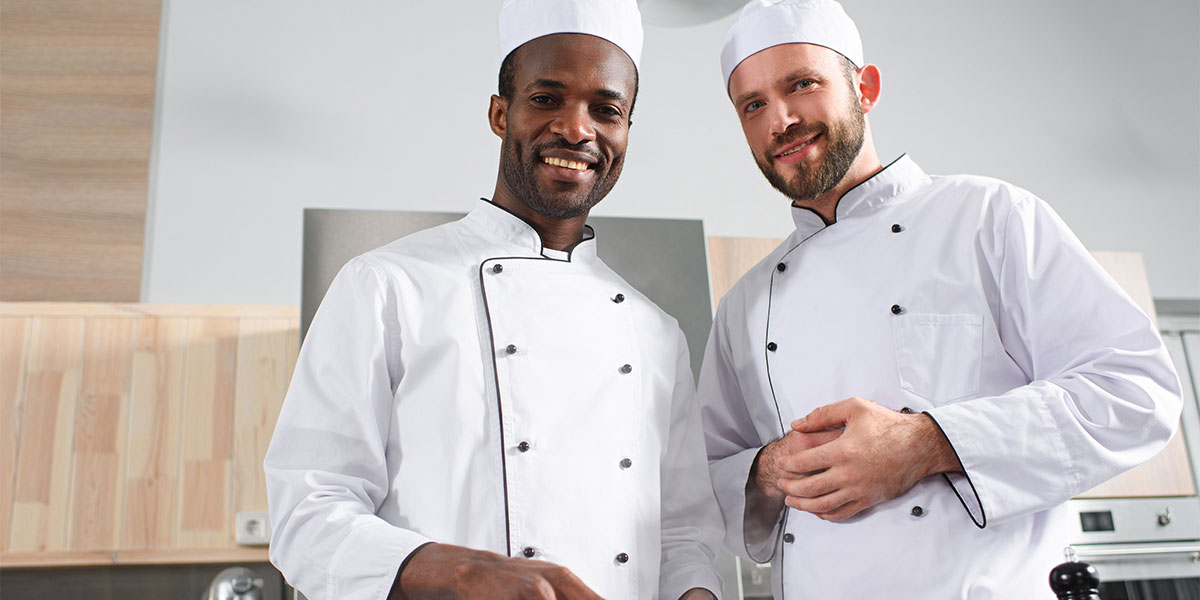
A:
x,y
485,409
899,399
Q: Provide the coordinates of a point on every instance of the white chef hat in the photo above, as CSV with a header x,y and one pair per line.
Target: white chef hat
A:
x,y
767,23
617,21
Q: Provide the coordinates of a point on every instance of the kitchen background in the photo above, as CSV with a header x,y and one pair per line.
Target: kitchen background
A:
x,y
163,152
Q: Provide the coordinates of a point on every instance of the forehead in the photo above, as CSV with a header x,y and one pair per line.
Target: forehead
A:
x,y
578,59
765,67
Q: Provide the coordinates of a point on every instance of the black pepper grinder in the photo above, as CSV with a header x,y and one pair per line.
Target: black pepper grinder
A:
x,y
1074,580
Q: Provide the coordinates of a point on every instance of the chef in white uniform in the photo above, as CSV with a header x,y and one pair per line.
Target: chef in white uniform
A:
x,y
961,364
485,408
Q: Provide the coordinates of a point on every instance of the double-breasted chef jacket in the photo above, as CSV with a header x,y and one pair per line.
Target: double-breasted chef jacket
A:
x,y
460,386
965,298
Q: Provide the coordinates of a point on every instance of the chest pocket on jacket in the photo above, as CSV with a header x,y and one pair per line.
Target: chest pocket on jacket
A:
x,y
938,357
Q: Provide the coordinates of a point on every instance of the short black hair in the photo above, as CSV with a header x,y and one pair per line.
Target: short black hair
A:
x,y
508,72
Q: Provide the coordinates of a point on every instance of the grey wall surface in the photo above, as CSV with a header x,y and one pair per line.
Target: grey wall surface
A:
x,y
269,107
662,258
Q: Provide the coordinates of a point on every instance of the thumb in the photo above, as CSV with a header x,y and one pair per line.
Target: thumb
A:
x,y
823,417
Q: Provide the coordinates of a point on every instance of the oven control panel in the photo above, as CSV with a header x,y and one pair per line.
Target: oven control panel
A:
x,y
1126,520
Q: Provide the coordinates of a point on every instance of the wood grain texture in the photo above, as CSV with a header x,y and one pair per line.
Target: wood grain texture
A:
x,y
152,484
14,345
41,492
729,258
98,477
77,86
262,372
206,446
138,432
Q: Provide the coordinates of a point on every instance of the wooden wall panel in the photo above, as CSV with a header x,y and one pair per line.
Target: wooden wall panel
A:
x,y
207,444
14,345
77,85
100,422
43,476
152,485
140,430
266,356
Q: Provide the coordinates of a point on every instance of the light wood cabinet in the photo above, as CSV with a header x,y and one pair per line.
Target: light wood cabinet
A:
x,y
139,430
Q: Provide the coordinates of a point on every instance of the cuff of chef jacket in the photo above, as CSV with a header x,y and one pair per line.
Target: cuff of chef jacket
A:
x,y
961,483
673,586
729,477
367,561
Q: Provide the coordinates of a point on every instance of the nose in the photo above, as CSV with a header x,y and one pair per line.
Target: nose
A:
x,y
781,117
574,124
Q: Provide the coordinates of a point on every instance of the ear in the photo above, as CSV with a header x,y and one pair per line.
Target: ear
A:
x,y
498,115
868,87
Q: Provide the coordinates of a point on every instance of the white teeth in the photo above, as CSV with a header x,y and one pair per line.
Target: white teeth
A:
x,y
796,149
569,164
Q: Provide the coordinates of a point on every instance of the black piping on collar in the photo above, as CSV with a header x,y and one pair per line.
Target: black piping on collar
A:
x,y
542,244
839,200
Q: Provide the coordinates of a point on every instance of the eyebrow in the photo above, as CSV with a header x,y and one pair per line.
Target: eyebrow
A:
x,y
558,85
801,73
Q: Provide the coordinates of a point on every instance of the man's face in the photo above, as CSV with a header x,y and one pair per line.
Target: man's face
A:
x,y
567,124
801,117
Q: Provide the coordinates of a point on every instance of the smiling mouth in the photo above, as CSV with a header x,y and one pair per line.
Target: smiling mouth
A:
x,y
574,165
797,148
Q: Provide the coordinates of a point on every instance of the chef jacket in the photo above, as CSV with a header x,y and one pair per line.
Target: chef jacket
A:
x,y
964,298
459,386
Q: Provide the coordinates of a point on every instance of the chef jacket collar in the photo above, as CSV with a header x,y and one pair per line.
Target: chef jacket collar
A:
x,y
895,179
513,230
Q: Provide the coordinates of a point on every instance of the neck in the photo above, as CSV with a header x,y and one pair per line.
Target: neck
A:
x,y
556,234
865,166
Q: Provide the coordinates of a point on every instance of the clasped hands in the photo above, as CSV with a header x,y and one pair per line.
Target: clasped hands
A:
x,y
846,457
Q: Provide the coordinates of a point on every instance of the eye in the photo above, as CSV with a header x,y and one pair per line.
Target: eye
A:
x,y
803,83
608,110
753,106
542,99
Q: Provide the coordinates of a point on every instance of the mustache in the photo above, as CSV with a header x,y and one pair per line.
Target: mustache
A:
x,y
797,132
582,147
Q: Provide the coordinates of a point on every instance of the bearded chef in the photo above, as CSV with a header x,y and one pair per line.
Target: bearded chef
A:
x,y
485,409
899,399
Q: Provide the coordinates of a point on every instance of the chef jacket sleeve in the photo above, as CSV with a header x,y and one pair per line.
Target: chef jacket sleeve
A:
x,y
325,468
1102,395
732,442
691,522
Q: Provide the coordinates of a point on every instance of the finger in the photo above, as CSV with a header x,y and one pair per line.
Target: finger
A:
x,y
807,461
812,486
568,586
845,511
822,504
825,417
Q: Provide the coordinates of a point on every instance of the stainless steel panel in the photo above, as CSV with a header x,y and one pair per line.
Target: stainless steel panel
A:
x,y
665,259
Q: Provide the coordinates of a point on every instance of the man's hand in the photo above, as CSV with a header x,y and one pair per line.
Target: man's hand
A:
x,y
769,475
444,571
880,454
764,496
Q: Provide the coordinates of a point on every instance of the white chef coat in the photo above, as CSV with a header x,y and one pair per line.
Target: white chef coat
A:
x,y
970,300
459,386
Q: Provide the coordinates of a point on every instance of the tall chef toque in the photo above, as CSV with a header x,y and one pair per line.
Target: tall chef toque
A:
x,y
767,23
617,21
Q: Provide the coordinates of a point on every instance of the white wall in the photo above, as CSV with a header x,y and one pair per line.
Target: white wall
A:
x,y
270,106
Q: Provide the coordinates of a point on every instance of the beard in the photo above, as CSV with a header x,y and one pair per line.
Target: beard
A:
x,y
844,139
518,166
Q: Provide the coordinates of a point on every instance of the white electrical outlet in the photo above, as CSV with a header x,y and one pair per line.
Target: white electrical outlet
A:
x,y
253,529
